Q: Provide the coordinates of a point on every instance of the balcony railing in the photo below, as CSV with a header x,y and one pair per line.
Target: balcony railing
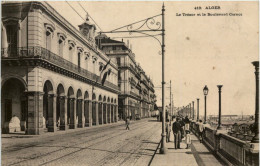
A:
x,y
42,53
134,94
115,51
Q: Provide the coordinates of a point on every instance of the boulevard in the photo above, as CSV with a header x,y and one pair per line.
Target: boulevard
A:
x,y
101,145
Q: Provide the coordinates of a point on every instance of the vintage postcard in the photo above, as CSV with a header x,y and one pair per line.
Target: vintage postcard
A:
x,y
130,83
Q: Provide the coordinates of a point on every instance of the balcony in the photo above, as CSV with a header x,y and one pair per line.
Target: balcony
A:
x,y
39,53
115,51
134,94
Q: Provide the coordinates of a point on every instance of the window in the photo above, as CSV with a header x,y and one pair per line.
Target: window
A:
x,y
80,50
118,61
71,49
61,42
12,37
49,29
48,40
60,47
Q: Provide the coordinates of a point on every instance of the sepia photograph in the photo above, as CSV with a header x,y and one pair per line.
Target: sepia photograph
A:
x,y
130,83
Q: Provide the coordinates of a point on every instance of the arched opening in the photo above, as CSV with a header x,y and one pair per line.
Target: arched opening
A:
x,y
108,111
86,108
100,109
79,107
70,109
112,111
49,112
60,108
13,106
94,109
104,110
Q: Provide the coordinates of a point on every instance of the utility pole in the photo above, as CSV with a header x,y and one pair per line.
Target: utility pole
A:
x,y
171,98
163,141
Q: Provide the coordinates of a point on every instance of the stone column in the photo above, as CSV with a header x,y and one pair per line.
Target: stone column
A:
x,y
82,114
102,118
116,106
63,113
106,112
80,106
75,113
34,122
90,113
109,113
72,104
52,113
113,113
97,122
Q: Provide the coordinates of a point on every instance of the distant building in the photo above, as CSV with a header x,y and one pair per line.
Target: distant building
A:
x,y
136,88
51,71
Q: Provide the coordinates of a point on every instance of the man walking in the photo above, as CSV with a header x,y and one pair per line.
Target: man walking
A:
x,y
127,123
176,128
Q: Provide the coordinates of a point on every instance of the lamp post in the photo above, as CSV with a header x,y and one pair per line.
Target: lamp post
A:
x,y
198,116
205,91
256,125
219,114
193,110
190,110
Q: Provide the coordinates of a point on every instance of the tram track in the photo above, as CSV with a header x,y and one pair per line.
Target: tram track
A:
x,y
63,144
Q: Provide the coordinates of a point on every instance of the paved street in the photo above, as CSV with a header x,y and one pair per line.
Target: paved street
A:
x,y
102,145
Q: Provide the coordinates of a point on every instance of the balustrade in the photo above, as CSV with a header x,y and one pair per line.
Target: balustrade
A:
x,y
231,150
42,53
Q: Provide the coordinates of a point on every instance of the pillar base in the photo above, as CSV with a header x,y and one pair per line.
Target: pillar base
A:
x,y
88,124
64,127
72,126
81,126
52,129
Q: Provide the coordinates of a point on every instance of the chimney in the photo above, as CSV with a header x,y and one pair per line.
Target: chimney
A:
x,y
128,43
130,46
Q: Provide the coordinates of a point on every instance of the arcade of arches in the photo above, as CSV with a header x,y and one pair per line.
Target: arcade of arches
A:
x,y
52,110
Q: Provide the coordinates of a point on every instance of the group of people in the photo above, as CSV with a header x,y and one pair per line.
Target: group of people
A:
x,y
181,130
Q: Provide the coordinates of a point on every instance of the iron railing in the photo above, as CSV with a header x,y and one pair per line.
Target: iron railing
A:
x,y
42,53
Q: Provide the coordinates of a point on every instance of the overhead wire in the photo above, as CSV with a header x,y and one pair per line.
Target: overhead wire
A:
x,y
75,10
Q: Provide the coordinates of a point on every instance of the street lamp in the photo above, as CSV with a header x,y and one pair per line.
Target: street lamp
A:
x,y
193,110
219,114
205,91
190,110
198,116
256,125
150,28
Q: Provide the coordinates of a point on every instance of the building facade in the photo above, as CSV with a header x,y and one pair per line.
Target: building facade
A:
x,y
136,98
51,72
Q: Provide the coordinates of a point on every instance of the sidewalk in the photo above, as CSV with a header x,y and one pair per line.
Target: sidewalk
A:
x,y
198,154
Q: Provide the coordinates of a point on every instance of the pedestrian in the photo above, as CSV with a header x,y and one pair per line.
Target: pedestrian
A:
x,y
182,123
201,130
176,128
127,123
168,130
188,139
187,123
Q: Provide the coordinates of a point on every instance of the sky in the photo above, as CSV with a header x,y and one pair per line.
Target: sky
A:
x,y
210,50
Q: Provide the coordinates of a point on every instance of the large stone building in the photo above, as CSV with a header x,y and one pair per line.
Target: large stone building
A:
x,y
136,96
51,72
